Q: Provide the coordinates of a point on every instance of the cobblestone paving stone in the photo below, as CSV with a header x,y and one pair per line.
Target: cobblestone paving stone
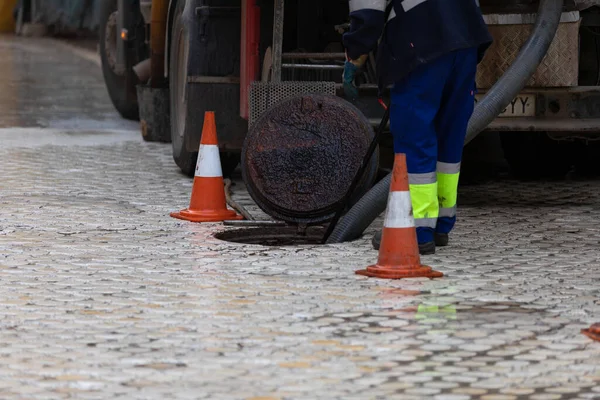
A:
x,y
103,295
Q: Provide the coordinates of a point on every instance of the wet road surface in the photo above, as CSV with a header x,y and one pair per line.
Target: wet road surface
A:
x,y
103,295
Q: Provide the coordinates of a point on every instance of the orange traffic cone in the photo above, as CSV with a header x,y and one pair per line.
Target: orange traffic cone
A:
x,y
399,251
593,332
208,193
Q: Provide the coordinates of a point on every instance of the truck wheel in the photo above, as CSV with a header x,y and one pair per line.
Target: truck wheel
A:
x,y
178,72
120,84
178,62
534,155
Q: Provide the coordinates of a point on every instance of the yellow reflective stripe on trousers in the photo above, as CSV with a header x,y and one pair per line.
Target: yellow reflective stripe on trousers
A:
x,y
425,203
448,175
447,189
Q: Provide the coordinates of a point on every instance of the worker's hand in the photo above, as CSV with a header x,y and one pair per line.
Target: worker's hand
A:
x,y
351,69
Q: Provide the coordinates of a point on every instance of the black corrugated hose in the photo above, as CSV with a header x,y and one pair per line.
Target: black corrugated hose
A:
x,y
499,97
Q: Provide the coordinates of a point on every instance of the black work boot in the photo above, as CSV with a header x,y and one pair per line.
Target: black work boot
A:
x,y
441,239
425,249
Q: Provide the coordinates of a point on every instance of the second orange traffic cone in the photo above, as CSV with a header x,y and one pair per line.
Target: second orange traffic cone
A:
x,y
208,202
399,251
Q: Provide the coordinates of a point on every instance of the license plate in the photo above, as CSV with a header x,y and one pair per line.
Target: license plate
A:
x,y
522,106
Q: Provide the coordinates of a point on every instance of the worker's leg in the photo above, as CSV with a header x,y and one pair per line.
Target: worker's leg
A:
x,y
457,107
415,104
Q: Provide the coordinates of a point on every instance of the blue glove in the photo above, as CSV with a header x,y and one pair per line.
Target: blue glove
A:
x,y
350,89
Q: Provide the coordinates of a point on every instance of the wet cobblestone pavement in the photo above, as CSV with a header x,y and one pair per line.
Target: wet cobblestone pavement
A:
x,y
103,295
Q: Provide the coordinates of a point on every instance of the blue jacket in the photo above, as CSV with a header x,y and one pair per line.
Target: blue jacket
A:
x,y
416,32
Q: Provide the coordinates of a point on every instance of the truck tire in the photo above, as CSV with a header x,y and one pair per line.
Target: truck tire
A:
x,y
120,84
533,155
178,64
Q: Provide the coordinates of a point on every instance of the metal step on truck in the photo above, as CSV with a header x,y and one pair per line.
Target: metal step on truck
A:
x,y
168,61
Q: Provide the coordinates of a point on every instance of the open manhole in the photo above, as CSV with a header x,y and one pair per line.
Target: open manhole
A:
x,y
275,236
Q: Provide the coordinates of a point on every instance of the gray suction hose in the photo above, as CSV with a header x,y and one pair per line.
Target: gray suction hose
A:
x,y
500,95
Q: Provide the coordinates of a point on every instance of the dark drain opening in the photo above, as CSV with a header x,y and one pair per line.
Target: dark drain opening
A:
x,y
275,236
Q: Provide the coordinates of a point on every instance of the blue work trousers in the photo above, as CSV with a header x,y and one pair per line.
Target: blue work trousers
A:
x,y
430,112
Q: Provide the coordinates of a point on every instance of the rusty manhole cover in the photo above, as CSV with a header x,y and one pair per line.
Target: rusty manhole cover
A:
x,y
300,157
